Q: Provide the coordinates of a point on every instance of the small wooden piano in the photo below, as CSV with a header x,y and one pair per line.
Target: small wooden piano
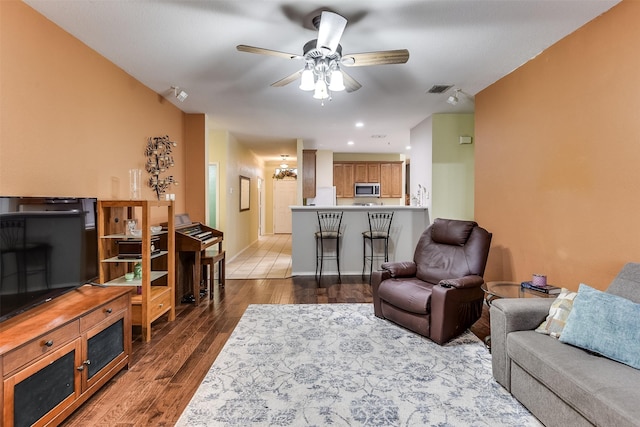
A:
x,y
195,244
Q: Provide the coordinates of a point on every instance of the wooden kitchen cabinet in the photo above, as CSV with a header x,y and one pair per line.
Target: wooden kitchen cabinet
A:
x,y
308,173
343,179
360,172
366,172
391,179
373,172
388,174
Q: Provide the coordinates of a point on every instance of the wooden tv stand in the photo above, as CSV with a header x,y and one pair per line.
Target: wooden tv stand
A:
x,y
55,356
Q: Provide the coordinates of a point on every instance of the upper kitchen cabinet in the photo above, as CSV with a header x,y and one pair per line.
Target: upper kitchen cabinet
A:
x,y
367,172
388,174
391,179
373,172
343,179
308,173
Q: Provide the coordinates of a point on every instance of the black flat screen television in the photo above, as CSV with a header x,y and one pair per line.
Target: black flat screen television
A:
x,y
48,246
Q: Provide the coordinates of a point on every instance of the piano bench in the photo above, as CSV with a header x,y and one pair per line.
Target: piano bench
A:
x,y
211,257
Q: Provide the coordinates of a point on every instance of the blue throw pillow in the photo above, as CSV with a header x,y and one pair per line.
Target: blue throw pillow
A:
x,y
606,324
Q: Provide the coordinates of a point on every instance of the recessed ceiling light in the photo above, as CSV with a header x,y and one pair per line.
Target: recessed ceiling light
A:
x,y
408,147
359,124
350,143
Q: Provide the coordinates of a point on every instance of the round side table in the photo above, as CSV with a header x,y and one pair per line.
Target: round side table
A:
x,y
501,289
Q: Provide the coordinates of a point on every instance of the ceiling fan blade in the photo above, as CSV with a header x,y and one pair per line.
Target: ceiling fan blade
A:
x,y
382,57
350,84
330,31
293,77
262,51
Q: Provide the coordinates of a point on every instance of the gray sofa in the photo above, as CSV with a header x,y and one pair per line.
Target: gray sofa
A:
x,y
560,384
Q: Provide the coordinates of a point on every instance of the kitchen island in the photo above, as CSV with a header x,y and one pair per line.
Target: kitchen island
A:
x,y
408,224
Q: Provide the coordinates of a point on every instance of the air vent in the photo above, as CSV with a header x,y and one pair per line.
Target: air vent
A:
x,y
439,88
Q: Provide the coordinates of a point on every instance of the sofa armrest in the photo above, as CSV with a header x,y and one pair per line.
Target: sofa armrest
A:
x,y
472,281
510,315
400,269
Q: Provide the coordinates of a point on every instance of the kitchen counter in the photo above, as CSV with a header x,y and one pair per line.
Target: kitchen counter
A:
x,y
408,224
388,208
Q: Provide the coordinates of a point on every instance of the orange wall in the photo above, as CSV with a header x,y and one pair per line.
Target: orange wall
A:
x,y
558,157
72,123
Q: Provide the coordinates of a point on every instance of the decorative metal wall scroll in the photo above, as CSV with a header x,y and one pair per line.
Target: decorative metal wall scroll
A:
x,y
159,159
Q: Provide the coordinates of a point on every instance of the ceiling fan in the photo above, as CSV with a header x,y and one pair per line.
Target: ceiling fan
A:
x,y
323,72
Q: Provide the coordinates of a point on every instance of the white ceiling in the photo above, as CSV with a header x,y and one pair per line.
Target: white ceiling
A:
x,y
192,44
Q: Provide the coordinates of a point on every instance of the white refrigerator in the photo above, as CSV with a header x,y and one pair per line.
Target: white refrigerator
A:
x,y
325,196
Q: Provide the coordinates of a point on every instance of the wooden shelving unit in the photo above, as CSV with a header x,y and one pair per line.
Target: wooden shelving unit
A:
x,y
153,295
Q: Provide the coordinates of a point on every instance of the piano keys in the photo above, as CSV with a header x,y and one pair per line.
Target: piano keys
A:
x,y
192,240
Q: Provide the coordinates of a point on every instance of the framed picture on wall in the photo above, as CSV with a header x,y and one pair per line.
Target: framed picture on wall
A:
x,y
245,188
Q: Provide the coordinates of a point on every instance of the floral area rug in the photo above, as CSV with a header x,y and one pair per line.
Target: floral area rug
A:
x,y
339,365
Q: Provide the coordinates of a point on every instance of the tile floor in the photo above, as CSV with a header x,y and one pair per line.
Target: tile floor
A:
x,y
268,258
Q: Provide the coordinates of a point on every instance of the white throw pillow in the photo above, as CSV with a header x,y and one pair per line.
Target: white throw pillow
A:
x,y
558,313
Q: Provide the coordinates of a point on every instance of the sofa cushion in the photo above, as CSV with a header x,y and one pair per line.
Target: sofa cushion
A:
x,y
412,294
606,324
558,313
601,389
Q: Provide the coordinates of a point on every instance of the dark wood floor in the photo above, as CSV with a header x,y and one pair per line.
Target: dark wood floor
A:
x,y
166,371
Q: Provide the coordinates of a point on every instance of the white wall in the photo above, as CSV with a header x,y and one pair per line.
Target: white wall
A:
x,y
421,161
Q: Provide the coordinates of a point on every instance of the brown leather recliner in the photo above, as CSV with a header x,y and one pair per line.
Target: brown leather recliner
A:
x,y
438,294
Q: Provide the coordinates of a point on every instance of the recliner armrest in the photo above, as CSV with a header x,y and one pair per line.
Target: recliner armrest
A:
x,y
472,281
400,269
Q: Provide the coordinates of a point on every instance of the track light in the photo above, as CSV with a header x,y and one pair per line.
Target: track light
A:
x,y
460,95
453,99
180,96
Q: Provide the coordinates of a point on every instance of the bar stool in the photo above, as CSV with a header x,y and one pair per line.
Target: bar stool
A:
x,y
328,229
379,227
210,257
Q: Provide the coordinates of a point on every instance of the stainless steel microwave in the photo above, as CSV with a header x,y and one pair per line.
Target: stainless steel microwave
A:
x,y
367,189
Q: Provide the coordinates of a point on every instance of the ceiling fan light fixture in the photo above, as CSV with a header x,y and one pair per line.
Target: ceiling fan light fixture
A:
x,y
306,81
323,58
337,81
321,90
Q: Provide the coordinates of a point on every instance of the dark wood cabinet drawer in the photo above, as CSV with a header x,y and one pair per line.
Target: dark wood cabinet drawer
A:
x,y
103,312
40,346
